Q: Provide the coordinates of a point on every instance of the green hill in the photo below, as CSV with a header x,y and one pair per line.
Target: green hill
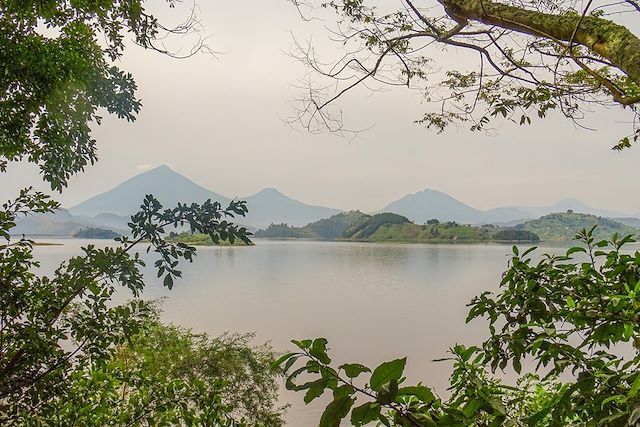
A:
x,y
447,232
200,239
390,227
328,228
95,233
370,225
564,226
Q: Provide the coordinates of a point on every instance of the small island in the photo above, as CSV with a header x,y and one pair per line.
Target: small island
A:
x,y
96,233
200,239
391,227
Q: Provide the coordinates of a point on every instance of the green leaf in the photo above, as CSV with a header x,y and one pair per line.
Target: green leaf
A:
x,y
365,413
386,372
315,390
289,383
424,394
168,281
282,359
336,411
576,249
352,370
388,393
319,350
304,344
635,386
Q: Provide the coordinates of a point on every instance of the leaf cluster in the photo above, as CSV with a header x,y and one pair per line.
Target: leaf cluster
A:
x,y
53,326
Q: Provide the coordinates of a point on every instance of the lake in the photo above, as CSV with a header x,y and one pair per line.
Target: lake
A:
x,y
373,302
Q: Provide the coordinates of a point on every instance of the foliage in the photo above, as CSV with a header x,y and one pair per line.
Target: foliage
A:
x,y
513,235
95,233
564,226
335,227
573,315
166,375
365,229
63,340
53,82
525,59
390,227
326,228
54,326
284,231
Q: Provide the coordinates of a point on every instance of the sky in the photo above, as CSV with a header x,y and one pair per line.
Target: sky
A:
x,y
218,119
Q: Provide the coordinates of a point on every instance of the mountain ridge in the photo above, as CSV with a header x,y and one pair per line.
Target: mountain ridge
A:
x,y
170,188
433,204
111,209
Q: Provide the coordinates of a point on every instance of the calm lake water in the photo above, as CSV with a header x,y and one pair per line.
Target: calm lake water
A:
x,y
373,302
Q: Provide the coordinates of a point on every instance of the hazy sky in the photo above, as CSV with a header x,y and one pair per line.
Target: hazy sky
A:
x,y
217,121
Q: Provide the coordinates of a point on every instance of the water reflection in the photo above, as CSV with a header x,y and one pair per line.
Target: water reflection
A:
x,y
373,302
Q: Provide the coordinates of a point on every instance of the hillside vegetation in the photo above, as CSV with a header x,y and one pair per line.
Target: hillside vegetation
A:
x,y
200,239
96,233
391,227
564,226
327,228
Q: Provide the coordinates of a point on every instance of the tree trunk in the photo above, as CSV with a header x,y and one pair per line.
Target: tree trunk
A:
x,y
609,40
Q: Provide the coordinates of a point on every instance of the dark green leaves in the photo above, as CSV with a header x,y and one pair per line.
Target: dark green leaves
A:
x,y
352,370
387,372
365,413
336,411
421,392
319,350
168,281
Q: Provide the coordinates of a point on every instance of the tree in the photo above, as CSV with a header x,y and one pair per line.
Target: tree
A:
x,y
169,375
57,74
532,57
61,337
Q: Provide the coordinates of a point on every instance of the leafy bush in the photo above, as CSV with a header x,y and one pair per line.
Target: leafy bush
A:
x,y
166,375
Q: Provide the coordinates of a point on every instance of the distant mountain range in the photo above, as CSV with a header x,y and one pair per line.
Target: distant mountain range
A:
x,y
112,209
428,204
170,188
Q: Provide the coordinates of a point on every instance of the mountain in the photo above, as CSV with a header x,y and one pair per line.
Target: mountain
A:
x,y
429,204
112,221
61,223
168,186
57,223
631,222
270,206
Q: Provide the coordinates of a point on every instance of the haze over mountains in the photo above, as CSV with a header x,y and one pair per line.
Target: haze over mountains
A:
x,y
113,208
427,204
167,186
